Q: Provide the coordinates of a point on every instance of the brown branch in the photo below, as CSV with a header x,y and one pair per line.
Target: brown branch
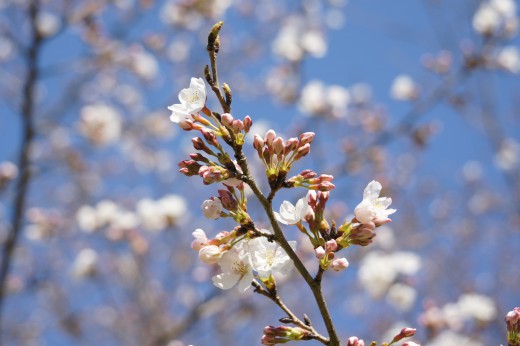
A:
x,y
22,187
295,320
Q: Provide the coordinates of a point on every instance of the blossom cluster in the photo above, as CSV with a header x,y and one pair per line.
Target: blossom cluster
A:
x,y
251,256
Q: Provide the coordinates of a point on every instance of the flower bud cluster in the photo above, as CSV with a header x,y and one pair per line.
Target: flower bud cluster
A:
x,y
282,334
310,180
279,155
355,341
240,128
513,327
327,257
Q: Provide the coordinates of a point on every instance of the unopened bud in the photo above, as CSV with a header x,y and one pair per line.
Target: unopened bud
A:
x,y
228,200
237,126
326,186
306,138
226,119
354,341
308,174
302,151
269,137
210,254
404,333
189,167
210,136
248,122
320,252
278,145
331,245
258,143
291,145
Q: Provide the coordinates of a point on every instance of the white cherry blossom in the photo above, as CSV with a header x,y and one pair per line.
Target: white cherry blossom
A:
x,y
373,207
235,269
192,100
211,208
290,214
268,258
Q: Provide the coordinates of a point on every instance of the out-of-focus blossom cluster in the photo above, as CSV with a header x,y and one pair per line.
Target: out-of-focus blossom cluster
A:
x,y
100,123
470,308
391,281
8,172
495,18
296,39
151,215
42,223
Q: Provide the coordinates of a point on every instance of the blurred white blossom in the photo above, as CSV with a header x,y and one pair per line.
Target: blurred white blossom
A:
x,y
100,123
404,88
85,263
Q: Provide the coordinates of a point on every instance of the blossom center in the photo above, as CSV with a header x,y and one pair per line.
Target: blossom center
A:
x,y
193,97
239,268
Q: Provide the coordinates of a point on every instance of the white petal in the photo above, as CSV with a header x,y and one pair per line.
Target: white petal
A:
x,y
301,208
225,280
245,282
279,218
365,212
199,234
372,190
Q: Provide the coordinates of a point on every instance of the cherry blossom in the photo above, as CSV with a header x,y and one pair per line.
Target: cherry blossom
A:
x,y
290,214
269,258
235,269
193,100
373,207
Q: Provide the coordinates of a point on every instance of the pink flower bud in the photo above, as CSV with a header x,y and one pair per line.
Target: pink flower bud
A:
x,y
291,145
228,201
308,174
354,341
410,343
210,254
278,146
331,245
211,208
189,167
320,252
258,143
302,151
210,136
306,138
237,125
339,264
226,119
404,333
326,186
248,122
269,137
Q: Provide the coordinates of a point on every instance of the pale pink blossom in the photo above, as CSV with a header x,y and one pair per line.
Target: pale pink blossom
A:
x,y
373,207
193,100
211,208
